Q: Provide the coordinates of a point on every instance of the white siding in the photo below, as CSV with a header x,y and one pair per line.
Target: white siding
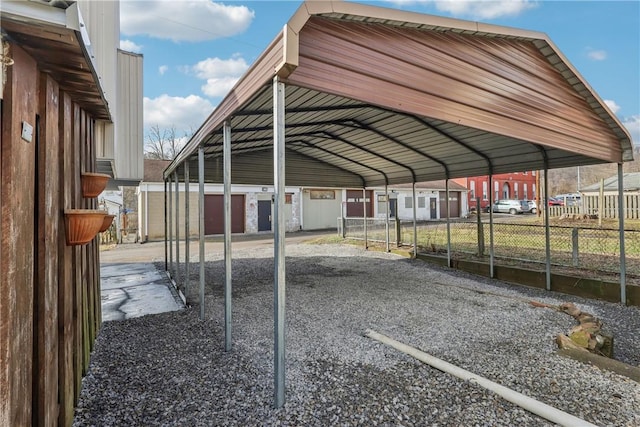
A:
x,y
129,148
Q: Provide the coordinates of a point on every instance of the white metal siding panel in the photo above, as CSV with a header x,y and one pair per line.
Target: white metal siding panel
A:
x,y
129,114
102,20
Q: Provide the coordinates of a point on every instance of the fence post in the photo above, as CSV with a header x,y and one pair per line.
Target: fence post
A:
x,y
574,246
480,228
344,227
398,236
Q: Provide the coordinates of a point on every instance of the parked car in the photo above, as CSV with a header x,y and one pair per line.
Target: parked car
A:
x,y
532,206
555,202
512,207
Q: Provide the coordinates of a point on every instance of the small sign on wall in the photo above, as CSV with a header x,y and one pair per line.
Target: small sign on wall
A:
x,y
27,132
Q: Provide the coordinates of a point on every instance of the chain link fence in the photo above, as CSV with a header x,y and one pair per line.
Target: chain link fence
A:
x,y
582,247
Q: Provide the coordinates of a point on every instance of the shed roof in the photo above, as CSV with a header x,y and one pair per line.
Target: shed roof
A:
x,y
378,96
631,182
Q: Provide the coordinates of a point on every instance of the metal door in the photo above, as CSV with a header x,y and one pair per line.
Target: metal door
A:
x,y
393,208
264,215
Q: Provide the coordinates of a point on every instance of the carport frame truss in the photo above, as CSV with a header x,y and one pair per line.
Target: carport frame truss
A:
x,y
386,142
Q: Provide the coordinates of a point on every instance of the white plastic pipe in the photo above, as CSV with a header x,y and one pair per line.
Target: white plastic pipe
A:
x,y
534,406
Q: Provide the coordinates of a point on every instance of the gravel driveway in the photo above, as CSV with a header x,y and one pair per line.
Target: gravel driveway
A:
x,y
171,370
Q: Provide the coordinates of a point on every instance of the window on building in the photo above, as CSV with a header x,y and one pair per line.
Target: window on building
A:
x,y
473,190
496,190
533,173
533,191
421,202
516,193
287,198
408,202
484,190
524,191
322,194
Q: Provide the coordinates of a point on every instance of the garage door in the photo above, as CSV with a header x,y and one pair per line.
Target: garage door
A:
x,y
214,213
454,204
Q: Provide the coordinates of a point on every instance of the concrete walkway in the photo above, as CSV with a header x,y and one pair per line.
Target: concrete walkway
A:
x,y
135,289
131,286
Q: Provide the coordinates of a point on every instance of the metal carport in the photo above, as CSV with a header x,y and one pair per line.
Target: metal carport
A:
x,y
376,97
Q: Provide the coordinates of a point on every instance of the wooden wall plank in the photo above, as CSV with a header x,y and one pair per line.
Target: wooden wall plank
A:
x,y
45,368
66,378
17,241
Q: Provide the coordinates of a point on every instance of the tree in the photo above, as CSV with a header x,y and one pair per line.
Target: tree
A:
x,y
163,143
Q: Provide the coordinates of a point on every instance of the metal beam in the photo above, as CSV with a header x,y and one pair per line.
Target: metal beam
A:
x,y
302,110
621,215
226,130
491,258
186,227
201,225
446,185
362,125
177,278
368,151
324,150
278,240
415,227
170,223
547,234
166,234
364,217
386,222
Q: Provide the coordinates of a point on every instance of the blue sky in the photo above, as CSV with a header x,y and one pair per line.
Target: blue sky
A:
x,y
194,51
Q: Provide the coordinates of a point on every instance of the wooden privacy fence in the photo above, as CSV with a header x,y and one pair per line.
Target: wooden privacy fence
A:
x,y
595,206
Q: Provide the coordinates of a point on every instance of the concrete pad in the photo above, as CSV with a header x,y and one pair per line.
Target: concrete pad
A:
x,y
135,289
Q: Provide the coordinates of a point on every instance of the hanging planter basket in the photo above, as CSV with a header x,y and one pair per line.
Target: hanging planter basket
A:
x,y
82,225
106,222
93,183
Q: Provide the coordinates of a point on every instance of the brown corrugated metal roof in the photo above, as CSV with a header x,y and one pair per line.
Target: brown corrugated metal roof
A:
x,y
392,97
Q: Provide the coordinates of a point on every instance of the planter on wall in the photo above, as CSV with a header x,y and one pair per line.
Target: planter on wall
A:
x,y
93,183
82,225
106,223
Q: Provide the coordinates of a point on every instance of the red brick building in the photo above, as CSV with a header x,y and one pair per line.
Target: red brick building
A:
x,y
517,185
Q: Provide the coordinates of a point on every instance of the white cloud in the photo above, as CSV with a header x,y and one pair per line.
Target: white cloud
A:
x,y
597,55
183,113
477,9
612,105
220,74
193,20
130,46
633,126
163,69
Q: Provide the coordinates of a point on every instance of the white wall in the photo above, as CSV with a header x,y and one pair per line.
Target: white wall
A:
x,y
318,214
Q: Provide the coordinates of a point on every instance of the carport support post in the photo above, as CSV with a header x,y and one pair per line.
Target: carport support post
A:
x,y
547,237
186,227
386,222
226,137
278,243
166,246
446,185
170,226
175,174
491,196
621,213
415,228
201,225
364,217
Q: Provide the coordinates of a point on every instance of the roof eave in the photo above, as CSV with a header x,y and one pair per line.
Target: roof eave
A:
x,y
22,17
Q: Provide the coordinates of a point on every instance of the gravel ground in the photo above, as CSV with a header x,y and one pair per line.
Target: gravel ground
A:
x,y
171,370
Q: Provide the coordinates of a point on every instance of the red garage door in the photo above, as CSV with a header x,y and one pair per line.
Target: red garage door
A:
x,y
214,213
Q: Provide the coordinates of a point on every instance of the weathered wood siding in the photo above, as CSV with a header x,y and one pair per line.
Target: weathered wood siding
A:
x,y
50,305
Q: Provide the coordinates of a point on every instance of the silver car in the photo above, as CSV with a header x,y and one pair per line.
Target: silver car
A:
x,y
512,207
